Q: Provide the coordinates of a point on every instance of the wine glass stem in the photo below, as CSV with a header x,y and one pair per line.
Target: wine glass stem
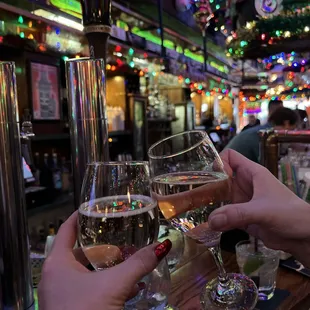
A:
x,y
222,275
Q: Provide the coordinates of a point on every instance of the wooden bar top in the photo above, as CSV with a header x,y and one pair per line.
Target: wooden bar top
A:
x,y
197,267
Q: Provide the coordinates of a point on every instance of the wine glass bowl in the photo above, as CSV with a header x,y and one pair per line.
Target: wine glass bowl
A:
x,y
189,182
117,216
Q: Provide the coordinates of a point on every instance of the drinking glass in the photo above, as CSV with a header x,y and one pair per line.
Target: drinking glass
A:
x,y
189,182
166,231
259,264
117,217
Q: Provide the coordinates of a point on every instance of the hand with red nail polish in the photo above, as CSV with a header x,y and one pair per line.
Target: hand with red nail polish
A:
x,y
264,207
67,284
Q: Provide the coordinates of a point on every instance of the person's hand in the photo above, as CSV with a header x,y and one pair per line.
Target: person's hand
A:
x,y
264,207
66,284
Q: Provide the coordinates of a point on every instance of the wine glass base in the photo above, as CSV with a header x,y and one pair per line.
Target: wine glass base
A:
x,y
239,294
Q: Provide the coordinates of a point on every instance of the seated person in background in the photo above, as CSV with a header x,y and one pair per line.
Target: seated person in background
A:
x,y
247,142
253,121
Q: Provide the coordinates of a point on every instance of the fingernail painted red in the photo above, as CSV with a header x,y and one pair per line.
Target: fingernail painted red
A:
x,y
163,249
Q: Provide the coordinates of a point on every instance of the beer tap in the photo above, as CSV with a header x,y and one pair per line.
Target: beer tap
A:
x,y
15,268
86,82
26,136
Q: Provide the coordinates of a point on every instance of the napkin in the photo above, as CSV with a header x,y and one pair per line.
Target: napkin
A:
x,y
274,302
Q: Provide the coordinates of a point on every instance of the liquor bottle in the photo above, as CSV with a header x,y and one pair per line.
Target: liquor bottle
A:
x,y
65,175
49,240
97,25
37,167
56,173
40,246
46,175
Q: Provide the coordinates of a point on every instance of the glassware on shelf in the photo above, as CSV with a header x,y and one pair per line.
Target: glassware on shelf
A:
x,y
189,182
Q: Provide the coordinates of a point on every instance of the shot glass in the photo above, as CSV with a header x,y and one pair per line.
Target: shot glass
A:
x,y
261,266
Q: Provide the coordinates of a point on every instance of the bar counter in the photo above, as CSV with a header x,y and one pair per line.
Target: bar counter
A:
x,y
197,267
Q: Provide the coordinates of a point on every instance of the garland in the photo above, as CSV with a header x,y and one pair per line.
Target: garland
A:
x,y
289,25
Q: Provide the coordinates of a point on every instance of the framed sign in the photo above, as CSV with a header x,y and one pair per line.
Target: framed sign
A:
x,y
45,91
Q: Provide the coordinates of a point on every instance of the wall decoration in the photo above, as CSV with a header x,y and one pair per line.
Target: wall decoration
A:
x,y
45,91
267,8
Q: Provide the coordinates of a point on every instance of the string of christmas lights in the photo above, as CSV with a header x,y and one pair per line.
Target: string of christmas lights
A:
x,y
289,25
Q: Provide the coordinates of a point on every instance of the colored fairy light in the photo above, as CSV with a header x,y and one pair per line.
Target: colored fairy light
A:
x,y
217,6
200,87
187,80
20,19
132,64
208,94
22,35
65,58
243,43
303,62
131,51
295,89
295,64
307,29
263,36
278,33
57,31
118,48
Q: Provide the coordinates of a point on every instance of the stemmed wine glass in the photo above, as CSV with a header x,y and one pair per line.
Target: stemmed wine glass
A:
x,y
117,217
189,182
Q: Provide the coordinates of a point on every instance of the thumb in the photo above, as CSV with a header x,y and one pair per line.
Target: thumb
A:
x,y
234,216
143,262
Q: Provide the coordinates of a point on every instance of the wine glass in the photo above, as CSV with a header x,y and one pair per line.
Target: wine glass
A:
x,y
117,217
189,182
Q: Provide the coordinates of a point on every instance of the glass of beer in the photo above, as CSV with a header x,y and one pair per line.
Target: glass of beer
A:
x,y
189,182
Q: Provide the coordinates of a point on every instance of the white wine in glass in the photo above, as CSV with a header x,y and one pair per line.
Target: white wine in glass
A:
x,y
189,182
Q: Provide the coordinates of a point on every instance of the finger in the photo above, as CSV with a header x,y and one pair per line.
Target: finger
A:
x,y
195,198
142,263
235,216
236,161
66,236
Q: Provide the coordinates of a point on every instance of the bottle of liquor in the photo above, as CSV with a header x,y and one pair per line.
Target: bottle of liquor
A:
x,y
37,167
65,175
49,240
40,246
46,175
97,25
56,173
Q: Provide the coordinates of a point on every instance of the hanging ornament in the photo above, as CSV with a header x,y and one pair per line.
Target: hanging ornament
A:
x,y
268,8
203,13
183,5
